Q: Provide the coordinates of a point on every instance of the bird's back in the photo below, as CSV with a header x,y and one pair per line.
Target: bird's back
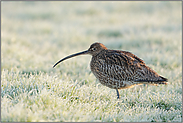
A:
x,y
121,69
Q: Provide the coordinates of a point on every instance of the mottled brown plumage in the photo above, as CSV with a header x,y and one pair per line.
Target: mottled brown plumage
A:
x,y
119,69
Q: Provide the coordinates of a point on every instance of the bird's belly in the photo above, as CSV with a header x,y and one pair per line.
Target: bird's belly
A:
x,y
108,77
115,84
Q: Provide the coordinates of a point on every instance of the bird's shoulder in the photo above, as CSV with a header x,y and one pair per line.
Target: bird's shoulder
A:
x,y
117,56
131,56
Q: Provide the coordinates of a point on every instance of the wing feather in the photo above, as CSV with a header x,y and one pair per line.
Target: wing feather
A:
x,y
125,66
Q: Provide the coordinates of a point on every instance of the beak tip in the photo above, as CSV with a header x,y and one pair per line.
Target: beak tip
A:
x,y
80,53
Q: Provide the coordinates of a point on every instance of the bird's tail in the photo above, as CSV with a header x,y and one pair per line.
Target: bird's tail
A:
x,y
160,80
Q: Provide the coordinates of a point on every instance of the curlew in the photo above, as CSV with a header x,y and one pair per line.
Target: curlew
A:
x,y
119,69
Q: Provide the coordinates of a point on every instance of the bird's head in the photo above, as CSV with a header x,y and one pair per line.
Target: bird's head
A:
x,y
94,49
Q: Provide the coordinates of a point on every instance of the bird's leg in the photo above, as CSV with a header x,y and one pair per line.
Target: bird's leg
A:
x,y
117,93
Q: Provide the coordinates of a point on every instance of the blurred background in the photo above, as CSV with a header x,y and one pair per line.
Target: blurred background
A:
x,y
35,34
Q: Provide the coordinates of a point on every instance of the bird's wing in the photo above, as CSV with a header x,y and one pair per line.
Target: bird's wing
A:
x,y
125,66
130,55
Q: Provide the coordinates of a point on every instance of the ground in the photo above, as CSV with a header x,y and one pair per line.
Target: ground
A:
x,y
35,35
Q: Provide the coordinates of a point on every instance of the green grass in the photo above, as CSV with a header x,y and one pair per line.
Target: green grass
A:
x,y
35,35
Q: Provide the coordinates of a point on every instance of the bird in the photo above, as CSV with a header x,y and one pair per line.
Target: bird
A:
x,y
118,69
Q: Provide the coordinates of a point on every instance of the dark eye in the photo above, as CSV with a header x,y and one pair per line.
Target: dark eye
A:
x,y
93,49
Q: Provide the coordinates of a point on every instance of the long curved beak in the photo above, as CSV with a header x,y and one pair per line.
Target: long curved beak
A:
x,y
73,55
